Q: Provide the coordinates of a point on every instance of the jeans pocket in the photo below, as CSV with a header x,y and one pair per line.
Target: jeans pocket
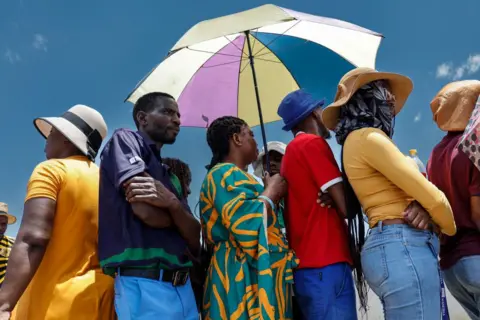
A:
x,y
374,265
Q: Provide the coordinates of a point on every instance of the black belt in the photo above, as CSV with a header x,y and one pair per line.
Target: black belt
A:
x,y
176,277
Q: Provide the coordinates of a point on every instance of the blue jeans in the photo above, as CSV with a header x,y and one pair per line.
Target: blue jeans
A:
x,y
145,299
400,265
463,281
326,293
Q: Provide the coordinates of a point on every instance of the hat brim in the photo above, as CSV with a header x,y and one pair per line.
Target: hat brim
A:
x,y
67,129
400,85
302,116
11,219
257,165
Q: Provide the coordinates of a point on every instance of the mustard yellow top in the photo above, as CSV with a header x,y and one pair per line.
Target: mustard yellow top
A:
x,y
69,283
385,181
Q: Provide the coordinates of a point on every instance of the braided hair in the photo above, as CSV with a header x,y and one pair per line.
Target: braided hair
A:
x,y
182,171
219,134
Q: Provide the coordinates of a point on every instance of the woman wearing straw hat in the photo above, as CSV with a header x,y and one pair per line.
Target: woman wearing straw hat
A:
x,y
55,254
399,262
455,174
6,242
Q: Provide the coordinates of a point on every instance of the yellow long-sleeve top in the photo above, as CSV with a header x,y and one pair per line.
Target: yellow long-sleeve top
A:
x,y
385,182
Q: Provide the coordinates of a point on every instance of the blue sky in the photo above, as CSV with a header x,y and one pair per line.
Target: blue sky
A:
x,y
55,54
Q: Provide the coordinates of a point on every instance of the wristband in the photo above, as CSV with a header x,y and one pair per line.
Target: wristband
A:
x,y
270,202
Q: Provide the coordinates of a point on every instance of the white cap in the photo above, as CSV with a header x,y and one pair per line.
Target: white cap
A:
x,y
277,146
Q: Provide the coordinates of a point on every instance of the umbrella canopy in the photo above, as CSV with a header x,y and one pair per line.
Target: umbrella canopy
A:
x,y
210,73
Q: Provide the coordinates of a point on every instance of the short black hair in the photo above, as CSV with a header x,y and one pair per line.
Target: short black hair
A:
x,y
219,134
147,102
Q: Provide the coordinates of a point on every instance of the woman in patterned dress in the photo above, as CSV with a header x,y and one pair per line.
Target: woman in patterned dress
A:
x,y
234,208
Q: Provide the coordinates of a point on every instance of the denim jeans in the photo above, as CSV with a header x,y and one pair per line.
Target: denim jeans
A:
x,y
463,281
326,293
400,265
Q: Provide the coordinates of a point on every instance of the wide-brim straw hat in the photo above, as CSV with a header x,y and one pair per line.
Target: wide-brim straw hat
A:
x,y
400,86
453,105
81,125
4,212
271,146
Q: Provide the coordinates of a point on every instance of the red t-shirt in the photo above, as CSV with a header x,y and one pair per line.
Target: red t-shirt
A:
x,y
317,235
453,173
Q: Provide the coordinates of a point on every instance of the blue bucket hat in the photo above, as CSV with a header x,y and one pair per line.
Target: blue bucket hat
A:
x,y
296,106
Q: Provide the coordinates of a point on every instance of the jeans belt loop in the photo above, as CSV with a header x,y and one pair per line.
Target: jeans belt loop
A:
x,y
160,275
380,226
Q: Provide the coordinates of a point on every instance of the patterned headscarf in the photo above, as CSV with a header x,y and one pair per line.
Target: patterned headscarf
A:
x,y
373,105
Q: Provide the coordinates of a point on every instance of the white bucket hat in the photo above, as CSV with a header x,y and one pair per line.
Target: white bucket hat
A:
x,y
81,125
271,146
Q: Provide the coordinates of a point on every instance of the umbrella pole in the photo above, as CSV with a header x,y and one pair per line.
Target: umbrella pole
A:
x,y
257,95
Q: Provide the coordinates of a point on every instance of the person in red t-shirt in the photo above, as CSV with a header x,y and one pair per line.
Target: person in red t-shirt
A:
x,y
452,172
318,234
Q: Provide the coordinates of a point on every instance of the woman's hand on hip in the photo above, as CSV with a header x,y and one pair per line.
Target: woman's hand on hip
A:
x,y
416,216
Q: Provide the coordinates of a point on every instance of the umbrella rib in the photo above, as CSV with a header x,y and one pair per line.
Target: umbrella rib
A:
x,y
278,36
254,38
244,67
214,53
266,60
280,50
223,64
231,42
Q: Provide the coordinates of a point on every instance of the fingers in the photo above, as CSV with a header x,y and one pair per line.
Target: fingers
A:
x,y
138,179
324,200
141,198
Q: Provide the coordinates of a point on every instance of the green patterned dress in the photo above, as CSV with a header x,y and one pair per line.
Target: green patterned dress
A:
x,y
248,278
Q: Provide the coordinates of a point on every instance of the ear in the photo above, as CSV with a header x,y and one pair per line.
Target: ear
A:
x,y
142,118
237,140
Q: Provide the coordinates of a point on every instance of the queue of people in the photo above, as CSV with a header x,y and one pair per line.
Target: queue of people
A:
x,y
119,241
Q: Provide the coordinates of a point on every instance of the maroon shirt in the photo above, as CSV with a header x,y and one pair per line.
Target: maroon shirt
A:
x,y
453,173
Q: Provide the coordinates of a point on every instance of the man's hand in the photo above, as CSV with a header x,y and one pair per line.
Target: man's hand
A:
x,y
325,200
417,216
146,189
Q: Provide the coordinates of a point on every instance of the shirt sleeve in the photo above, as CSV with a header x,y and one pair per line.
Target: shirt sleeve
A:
x,y
319,159
381,153
121,158
46,180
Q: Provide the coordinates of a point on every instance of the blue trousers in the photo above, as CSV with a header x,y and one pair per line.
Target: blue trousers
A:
x,y
400,265
145,299
326,293
463,281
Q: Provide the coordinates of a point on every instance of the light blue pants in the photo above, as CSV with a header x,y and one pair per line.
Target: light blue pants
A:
x,y
400,265
145,299
463,281
326,293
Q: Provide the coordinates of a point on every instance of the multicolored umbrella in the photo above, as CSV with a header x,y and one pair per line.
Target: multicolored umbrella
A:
x,y
244,64
470,141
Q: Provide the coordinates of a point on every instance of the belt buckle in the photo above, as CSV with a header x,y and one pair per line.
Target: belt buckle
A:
x,y
180,278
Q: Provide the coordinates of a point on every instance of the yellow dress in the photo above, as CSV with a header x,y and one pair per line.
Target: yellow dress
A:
x,y
68,284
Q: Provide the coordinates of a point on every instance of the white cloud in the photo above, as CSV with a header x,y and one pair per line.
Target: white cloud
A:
x,y
12,56
467,68
418,117
40,42
444,70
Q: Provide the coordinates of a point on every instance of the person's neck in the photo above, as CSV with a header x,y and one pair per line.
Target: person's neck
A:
x,y
159,145
236,161
307,129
